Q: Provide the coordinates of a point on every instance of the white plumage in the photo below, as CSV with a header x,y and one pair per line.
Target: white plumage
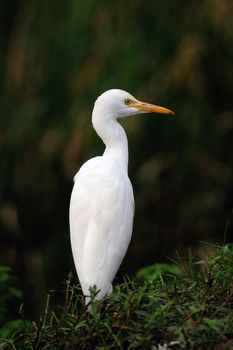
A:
x,y
102,203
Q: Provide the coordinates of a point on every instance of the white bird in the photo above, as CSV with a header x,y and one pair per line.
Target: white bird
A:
x,y
102,201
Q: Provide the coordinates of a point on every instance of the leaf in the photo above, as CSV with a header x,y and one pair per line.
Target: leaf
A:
x,y
12,326
153,272
214,324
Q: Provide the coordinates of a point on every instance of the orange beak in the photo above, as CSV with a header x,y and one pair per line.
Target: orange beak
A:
x,y
147,107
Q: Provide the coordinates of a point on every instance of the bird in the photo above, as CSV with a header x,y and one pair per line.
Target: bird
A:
x,y
102,202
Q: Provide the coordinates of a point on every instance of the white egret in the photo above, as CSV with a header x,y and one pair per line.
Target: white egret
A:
x,y
102,201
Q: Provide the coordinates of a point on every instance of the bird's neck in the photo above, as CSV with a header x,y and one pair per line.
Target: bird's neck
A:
x,y
114,138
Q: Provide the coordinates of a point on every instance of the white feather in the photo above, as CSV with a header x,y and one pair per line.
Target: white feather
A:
x,y
101,219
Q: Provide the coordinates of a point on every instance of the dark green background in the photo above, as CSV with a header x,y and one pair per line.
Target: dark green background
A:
x,y
56,57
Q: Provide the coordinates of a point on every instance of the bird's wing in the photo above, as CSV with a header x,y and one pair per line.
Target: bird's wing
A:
x,y
101,217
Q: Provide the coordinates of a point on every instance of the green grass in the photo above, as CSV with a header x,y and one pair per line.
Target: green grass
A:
x,y
165,304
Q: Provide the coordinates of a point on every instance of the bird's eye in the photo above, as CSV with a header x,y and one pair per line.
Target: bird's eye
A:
x,y
127,101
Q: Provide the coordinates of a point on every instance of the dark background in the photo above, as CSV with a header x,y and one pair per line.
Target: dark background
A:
x,y
56,57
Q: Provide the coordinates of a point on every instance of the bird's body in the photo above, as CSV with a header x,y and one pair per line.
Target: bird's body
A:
x,y
102,203
101,231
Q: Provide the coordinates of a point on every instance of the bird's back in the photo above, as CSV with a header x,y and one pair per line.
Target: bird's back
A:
x,y
101,219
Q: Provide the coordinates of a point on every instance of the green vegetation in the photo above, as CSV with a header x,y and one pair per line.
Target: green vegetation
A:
x,y
8,291
10,297
181,306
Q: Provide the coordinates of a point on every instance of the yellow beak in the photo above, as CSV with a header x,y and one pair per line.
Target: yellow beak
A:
x,y
147,107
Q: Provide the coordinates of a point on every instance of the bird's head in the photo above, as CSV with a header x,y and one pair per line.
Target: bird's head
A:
x,y
119,104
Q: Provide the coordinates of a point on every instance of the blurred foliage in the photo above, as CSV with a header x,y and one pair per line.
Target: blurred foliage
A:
x,y
10,298
56,58
158,271
9,293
